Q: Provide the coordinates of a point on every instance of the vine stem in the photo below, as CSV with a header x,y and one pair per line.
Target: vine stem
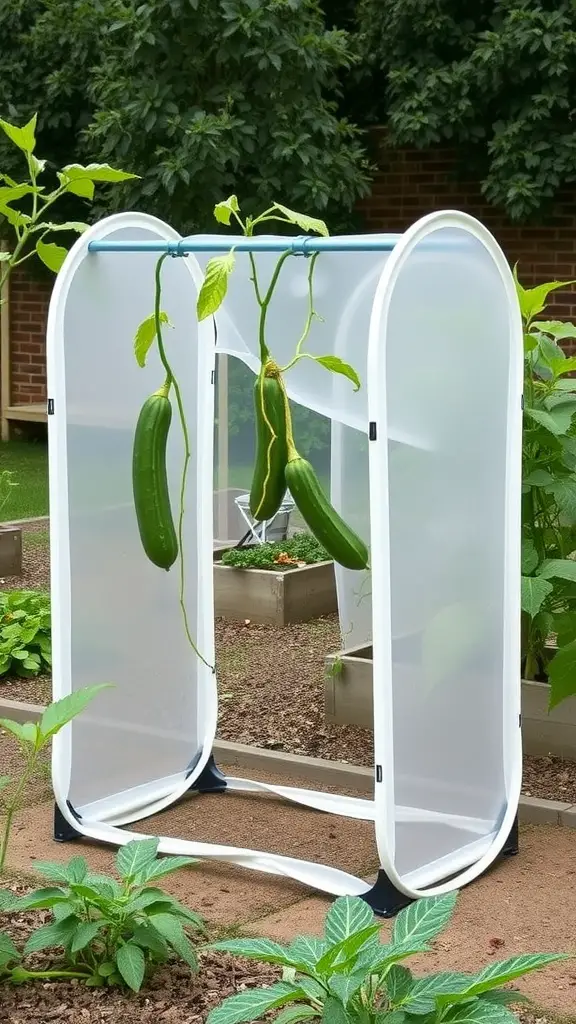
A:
x,y
171,381
309,319
12,806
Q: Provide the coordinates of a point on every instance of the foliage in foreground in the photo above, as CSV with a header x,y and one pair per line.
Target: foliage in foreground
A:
x,y
493,79
548,498
111,932
33,738
349,977
25,635
257,103
302,547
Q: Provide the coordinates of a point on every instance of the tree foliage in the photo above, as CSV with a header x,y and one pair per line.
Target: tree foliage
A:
x,y
495,78
199,97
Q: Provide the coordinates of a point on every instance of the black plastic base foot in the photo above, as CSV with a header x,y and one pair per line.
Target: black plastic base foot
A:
x,y
210,780
384,898
63,831
511,846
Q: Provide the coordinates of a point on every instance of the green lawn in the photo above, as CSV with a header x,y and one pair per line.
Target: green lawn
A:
x,y
29,462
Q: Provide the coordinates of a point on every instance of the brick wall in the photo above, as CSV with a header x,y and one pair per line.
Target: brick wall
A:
x,y
29,300
409,184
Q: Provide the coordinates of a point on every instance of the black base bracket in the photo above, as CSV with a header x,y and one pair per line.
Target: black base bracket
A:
x,y
387,901
63,831
210,780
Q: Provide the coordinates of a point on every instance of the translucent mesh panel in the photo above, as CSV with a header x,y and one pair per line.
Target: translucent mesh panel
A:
x,y
126,625
447,339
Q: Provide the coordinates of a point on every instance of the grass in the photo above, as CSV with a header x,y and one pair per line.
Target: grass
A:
x,y
28,460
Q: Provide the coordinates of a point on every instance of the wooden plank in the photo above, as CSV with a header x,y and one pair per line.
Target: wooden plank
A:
x,y
34,412
5,364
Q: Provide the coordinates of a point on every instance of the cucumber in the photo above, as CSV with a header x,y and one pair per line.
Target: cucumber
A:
x,y
340,541
150,482
268,483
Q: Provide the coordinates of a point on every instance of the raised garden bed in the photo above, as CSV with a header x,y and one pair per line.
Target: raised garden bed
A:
x,y
276,595
348,701
10,551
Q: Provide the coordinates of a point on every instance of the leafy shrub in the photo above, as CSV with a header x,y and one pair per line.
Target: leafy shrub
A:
x,y
548,498
349,977
25,637
302,547
112,933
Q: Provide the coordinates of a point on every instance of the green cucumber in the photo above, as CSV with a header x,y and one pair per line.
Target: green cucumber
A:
x,y
268,483
150,481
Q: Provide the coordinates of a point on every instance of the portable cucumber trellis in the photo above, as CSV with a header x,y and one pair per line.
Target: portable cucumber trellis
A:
x,y
426,464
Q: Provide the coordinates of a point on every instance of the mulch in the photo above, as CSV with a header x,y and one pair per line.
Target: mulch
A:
x,y
172,995
271,686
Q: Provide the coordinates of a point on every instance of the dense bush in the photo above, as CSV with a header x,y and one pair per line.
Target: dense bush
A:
x,y
494,78
194,96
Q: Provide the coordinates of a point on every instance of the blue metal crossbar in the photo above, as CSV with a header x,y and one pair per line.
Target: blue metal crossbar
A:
x,y
302,245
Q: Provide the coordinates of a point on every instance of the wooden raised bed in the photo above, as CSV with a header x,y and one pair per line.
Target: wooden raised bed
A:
x,y
10,551
275,598
348,701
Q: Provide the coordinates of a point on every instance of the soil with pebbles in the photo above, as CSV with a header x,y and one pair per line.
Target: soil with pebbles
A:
x,y
271,685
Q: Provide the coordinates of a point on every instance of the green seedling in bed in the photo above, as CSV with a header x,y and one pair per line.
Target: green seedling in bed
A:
x,y
350,977
25,636
111,931
285,554
33,738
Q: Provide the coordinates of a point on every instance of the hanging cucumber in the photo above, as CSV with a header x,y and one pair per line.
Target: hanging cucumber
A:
x,y
340,541
150,482
268,483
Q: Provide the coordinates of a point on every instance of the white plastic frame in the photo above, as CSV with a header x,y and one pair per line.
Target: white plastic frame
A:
x,y
103,820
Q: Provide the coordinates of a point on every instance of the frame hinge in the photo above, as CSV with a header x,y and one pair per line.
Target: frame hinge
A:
x,y
50,406
372,430
378,773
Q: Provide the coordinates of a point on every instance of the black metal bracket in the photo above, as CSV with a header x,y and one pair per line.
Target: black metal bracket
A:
x,y
210,780
512,845
64,832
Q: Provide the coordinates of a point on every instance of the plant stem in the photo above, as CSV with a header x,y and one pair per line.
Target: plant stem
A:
x,y
264,352
309,319
13,804
187,454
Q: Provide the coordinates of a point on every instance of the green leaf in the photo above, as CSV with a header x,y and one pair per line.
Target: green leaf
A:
x,y
306,950
294,1014
41,899
311,988
27,732
147,937
562,675
69,225
145,335
344,986
308,224
398,983
215,284
529,556
558,568
427,990
4,256
223,211
334,1012
533,300
77,186
58,714
8,951
343,951
77,869
53,872
25,137
135,856
556,423
265,950
165,866
337,365
424,919
131,965
85,933
480,1012
534,592
170,928
505,996
504,971
557,328
58,933
96,172
539,478
564,492
252,1004
347,915
52,255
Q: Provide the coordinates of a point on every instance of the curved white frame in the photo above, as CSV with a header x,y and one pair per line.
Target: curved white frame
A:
x,y
102,821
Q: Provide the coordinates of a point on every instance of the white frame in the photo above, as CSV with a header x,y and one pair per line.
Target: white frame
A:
x,y
102,820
